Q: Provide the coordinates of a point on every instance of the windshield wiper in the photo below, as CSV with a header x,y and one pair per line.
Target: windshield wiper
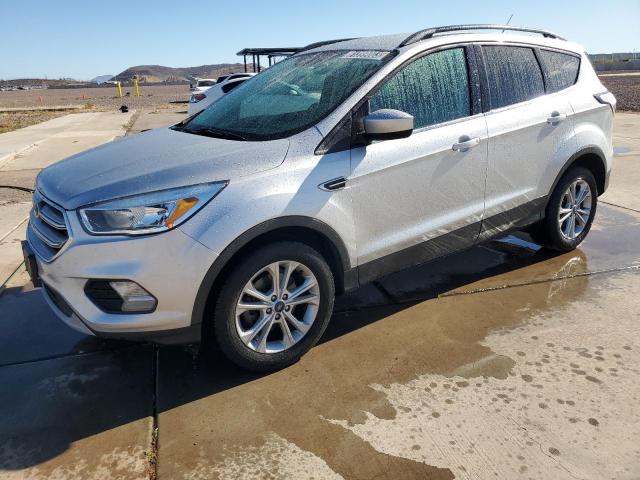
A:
x,y
213,132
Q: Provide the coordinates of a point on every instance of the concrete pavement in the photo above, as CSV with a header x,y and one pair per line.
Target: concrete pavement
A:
x,y
472,381
626,174
505,361
24,152
148,119
103,126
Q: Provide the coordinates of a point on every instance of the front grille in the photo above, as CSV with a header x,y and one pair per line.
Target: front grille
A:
x,y
47,232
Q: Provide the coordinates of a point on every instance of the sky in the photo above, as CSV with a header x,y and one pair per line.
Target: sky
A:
x,y
83,39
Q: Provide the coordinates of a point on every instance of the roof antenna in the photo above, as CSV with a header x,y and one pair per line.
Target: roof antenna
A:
x,y
508,21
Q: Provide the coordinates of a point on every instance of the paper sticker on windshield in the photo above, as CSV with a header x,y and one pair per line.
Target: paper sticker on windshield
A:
x,y
366,54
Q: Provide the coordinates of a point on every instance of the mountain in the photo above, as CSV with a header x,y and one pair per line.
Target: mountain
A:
x,y
101,79
159,73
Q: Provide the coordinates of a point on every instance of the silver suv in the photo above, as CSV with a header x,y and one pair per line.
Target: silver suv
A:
x,y
347,161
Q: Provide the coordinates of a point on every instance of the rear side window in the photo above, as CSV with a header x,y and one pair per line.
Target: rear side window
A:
x,y
560,69
227,87
514,75
434,89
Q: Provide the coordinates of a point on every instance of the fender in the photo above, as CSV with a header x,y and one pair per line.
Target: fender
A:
x,y
261,229
589,150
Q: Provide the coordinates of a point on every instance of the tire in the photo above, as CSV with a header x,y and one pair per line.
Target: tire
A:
x,y
553,234
270,348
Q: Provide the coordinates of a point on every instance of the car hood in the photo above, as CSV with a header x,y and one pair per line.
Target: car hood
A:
x,y
154,160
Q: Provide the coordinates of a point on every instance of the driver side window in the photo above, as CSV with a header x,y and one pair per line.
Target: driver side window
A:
x,y
434,89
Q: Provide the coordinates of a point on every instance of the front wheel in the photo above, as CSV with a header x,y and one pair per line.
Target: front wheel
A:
x,y
570,211
274,306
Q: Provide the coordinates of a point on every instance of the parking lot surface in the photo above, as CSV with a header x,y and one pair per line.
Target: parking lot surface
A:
x,y
504,361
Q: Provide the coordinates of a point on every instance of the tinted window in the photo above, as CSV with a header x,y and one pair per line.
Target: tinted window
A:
x,y
560,69
514,75
434,89
227,87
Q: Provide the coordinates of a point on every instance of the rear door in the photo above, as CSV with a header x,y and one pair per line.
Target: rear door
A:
x,y
423,196
530,132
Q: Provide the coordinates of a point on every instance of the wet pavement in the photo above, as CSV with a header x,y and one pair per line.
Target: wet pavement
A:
x,y
78,416
471,382
505,361
504,348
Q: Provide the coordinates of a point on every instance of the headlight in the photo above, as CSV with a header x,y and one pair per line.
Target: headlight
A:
x,y
148,213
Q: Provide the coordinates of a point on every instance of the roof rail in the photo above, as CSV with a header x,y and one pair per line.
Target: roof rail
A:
x,y
430,32
323,43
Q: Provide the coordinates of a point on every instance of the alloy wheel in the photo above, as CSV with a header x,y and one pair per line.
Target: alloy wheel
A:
x,y
575,209
277,306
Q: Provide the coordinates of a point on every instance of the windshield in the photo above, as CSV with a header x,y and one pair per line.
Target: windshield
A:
x,y
290,96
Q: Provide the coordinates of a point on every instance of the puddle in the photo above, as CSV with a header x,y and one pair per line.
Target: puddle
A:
x,y
363,402
515,260
566,409
621,151
337,404
388,389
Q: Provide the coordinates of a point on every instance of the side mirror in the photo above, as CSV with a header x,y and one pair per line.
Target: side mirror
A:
x,y
388,124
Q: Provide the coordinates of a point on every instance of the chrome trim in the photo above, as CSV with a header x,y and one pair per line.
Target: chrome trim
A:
x,y
50,240
333,184
44,215
48,231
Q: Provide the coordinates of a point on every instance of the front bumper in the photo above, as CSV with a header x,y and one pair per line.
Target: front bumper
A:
x,y
170,265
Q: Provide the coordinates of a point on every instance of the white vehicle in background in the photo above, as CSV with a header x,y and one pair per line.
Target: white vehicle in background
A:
x,y
201,99
203,84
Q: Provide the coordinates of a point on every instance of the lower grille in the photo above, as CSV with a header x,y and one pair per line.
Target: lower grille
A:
x,y
57,300
103,296
47,232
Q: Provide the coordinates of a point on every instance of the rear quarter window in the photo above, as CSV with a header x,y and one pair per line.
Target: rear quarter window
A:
x,y
513,75
560,69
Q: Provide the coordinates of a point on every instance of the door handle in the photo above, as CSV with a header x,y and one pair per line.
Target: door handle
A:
x,y
465,143
556,117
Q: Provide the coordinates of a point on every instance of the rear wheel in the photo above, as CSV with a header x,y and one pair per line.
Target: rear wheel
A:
x,y
570,211
274,306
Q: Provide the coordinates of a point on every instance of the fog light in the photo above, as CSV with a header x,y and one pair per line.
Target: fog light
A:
x,y
134,297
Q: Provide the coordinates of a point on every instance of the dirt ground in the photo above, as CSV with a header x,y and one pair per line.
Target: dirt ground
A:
x,y
626,89
152,99
10,121
160,96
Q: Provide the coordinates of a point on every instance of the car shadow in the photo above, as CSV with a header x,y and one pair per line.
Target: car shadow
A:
x,y
198,373
100,386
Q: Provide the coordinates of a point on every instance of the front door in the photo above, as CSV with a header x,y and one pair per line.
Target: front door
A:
x,y
420,197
